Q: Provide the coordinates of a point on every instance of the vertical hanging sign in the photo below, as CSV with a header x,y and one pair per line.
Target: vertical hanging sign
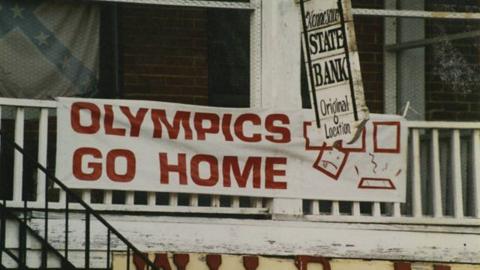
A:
x,y
333,69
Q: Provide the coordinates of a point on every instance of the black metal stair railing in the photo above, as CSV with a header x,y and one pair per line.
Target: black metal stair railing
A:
x,y
71,197
5,214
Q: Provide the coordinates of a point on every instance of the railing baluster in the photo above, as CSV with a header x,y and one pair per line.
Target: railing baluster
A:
x,y
42,153
22,245
456,174
3,223
335,209
87,240
435,175
235,202
356,209
130,198
87,196
45,236
108,197
108,248
376,210
315,207
67,212
62,196
215,201
18,158
476,172
151,198
128,258
397,212
257,203
416,179
194,200
173,199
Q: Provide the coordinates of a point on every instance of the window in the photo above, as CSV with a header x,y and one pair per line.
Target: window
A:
x,y
196,53
431,60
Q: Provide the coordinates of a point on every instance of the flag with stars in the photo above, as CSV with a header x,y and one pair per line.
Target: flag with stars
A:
x,y
48,48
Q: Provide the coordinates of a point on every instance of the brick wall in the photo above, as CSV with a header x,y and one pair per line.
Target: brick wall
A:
x,y
369,33
164,53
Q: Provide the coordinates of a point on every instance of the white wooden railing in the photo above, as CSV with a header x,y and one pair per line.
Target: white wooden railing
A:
x,y
443,178
443,181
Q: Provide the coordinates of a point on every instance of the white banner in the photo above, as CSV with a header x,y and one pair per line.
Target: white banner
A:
x,y
166,147
333,69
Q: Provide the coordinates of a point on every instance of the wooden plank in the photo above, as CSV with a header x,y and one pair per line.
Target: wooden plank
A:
x,y
417,14
435,175
391,242
456,168
431,41
190,3
28,103
442,125
18,157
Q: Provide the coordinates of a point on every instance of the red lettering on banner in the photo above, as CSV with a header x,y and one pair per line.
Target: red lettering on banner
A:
x,y
214,261
271,172
240,128
213,128
226,122
130,168
139,262
161,261
159,118
134,120
181,261
302,262
231,165
213,171
284,132
402,266
441,267
250,262
96,167
109,129
94,126
180,168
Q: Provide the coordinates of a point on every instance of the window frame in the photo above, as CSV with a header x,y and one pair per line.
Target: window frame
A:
x,y
393,47
255,6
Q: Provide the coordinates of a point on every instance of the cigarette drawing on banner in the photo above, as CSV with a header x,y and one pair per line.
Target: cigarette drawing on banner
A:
x,y
333,69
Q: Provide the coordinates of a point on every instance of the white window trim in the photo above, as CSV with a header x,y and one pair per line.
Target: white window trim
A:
x,y
391,57
191,3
